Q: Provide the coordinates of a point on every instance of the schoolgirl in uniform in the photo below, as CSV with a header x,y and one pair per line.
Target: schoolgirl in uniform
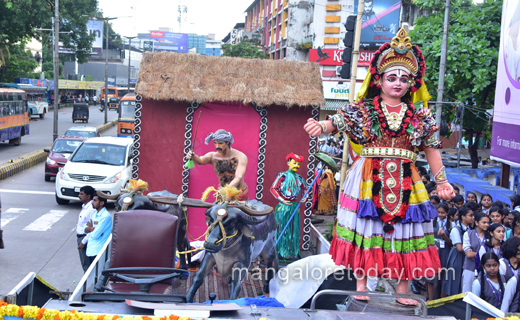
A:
x,y
490,284
510,257
452,284
486,202
453,216
441,233
472,243
471,197
497,216
495,238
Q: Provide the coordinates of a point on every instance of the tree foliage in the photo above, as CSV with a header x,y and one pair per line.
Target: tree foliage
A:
x,y
19,18
243,49
472,58
20,65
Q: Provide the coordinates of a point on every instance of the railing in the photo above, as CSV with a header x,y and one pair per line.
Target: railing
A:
x,y
87,282
27,282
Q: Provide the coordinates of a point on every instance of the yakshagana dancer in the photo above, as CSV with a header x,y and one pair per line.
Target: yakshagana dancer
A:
x,y
384,226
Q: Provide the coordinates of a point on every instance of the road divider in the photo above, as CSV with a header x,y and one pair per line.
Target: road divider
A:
x,y
31,159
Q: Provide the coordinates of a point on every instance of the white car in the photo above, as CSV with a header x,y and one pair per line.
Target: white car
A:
x,y
82,131
103,163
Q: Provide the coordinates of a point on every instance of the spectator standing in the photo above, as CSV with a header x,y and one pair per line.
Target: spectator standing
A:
x,y
94,98
86,193
99,228
86,98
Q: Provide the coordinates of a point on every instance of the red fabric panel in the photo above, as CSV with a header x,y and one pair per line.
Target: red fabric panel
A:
x,y
244,123
163,124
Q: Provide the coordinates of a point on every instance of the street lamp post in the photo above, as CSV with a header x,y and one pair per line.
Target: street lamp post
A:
x,y
106,68
129,49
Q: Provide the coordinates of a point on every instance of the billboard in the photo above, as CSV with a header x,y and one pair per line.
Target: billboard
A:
x,y
505,143
380,22
169,41
332,57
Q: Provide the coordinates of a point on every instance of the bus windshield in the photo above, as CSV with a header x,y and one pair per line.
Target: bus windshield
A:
x,y
121,93
127,109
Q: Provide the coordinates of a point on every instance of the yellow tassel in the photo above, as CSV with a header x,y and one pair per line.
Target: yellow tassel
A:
x,y
138,185
229,191
206,193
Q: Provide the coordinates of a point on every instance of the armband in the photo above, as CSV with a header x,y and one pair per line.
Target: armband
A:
x,y
440,176
323,125
338,122
433,142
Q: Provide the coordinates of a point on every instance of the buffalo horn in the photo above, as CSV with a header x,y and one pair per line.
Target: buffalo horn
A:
x,y
248,219
187,202
252,212
108,196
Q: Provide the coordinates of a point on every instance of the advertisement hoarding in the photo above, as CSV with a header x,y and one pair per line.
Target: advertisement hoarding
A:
x,y
95,27
338,90
332,57
380,22
505,144
169,41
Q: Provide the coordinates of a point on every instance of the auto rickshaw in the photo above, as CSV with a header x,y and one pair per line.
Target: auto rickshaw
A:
x,y
113,104
80,112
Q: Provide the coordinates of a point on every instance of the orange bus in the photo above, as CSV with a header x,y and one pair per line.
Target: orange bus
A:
x,y
114,96
125,121
14,121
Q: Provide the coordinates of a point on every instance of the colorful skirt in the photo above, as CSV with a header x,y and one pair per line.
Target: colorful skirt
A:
x,y
363,240
289,245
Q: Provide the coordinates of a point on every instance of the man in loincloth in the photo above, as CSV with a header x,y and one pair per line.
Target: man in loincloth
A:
x,y
229,164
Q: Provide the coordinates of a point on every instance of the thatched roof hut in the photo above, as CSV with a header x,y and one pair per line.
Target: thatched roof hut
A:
x,y
198,78
264,103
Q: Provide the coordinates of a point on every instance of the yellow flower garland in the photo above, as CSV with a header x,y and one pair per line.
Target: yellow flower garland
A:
x,y
32,312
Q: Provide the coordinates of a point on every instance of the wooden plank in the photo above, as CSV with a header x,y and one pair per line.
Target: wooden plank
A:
x,y
333,7
328,40
331,29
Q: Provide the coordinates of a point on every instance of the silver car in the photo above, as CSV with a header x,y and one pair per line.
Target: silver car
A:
x,y
83,131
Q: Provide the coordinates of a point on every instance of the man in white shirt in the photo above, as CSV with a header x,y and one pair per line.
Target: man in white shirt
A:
x,y
322,147
86,194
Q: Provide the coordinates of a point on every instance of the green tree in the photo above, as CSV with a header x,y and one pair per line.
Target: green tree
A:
x,y
19,18
20,65
243,49
472,58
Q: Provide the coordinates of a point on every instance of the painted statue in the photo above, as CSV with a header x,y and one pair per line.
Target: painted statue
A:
x,y
229,164
384,226
286,189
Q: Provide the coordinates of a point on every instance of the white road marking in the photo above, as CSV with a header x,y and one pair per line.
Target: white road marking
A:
x,y
24,191
11,214
46,221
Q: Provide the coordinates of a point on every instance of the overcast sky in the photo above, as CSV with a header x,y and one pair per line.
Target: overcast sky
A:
x,y
207,16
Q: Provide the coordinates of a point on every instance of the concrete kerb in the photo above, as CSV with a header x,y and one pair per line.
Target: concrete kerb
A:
x,y
31,159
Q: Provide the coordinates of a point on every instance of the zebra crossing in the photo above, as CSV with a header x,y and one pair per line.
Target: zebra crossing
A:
x,y
42,223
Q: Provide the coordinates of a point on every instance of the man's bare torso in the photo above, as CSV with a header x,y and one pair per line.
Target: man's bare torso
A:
x,y
225,168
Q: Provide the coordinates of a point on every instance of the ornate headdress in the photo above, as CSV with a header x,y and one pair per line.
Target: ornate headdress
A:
x,y
399,54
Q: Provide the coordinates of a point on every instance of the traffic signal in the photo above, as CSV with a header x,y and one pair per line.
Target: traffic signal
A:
x,y
348,41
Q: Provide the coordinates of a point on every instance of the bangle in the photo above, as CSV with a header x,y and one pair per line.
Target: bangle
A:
x,y
323,125
440,176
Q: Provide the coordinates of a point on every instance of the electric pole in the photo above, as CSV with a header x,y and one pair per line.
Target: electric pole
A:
x,y
442,67
56,61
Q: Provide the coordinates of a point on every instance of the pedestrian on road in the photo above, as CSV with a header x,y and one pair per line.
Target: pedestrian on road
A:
x,y
86,98
99,228
94,98
86,194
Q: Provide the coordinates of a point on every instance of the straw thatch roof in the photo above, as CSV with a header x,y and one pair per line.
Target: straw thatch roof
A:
x,y
200,78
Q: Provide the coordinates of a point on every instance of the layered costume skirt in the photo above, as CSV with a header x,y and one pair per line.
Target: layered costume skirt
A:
x,y
384,226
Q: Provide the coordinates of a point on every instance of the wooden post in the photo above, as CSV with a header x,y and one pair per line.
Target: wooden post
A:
x,y
504,176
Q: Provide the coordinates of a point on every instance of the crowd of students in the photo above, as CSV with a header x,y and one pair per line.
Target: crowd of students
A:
x,y
479,248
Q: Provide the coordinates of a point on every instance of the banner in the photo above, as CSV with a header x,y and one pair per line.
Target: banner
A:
x,y
169,41
95,27
332,57
380,22
505,144
335,90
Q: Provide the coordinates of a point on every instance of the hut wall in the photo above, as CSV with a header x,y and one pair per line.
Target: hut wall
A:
x,y
285,134
163,124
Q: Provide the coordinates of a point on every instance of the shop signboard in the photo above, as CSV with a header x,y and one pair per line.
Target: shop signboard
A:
x,y
169,41
332,57
380,22
338,90
505,141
